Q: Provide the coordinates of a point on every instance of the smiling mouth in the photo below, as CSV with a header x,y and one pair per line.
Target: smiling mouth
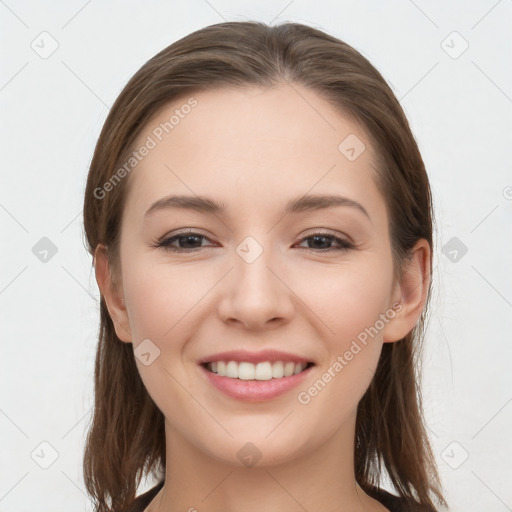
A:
x,y
265,370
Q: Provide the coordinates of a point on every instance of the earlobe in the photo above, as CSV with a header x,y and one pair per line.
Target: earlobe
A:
x,y
111,294
411,293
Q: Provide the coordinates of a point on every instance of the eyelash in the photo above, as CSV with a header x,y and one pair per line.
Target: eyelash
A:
x,y
344,244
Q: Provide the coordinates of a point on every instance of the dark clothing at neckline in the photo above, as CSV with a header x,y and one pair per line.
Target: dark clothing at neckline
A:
x,y
390,501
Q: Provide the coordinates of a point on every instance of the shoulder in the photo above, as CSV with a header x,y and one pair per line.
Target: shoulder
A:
x,y
396,503
390,501
142,501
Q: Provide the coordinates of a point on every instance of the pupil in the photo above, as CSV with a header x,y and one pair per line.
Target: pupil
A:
x,y
188,238
317,238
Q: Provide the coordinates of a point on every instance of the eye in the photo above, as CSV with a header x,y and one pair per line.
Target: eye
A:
x,y
320,240
187,242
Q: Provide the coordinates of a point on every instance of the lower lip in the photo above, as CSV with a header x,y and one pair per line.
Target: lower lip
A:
x,y
255,390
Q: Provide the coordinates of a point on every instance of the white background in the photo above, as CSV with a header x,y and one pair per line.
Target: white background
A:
x,y
52,109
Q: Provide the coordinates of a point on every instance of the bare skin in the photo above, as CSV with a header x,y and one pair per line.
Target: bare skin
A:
x,y
254,150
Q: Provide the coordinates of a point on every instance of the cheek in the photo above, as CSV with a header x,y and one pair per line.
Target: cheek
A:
x,y
348,299
165,304
349,303
162,301
159,299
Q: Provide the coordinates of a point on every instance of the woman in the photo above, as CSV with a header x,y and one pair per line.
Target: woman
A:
x,y
261,225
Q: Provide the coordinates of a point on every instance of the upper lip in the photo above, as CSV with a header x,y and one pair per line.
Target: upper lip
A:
x,y
254,357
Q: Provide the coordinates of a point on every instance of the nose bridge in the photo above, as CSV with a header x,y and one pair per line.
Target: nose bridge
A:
x,y
255,294
252,268
252,272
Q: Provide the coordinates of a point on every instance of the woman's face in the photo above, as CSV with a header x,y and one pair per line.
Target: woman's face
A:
x,y
259,279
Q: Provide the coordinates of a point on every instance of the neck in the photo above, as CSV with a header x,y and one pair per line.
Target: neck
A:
x,y
320,479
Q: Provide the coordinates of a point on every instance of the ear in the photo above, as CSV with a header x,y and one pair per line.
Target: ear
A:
x,y
411,293
113,295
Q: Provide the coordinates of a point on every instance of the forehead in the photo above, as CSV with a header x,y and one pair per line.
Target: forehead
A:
x,y
255,144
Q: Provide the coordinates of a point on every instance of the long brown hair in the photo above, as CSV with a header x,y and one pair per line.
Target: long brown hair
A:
x,y
126,439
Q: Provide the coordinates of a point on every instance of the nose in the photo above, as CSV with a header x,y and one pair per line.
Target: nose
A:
x,y
255,295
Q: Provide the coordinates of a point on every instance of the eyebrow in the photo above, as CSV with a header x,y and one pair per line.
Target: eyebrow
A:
x,y
298,205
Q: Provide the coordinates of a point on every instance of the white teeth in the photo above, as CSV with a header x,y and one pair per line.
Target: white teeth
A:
x,y
261,371
232,370
245,371
278,370
288,369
